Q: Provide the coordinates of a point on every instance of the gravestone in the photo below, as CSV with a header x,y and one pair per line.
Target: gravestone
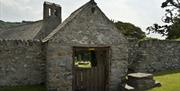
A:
x,y
141,81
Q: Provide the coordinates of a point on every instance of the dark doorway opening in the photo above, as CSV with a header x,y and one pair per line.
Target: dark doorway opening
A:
x,y
90,68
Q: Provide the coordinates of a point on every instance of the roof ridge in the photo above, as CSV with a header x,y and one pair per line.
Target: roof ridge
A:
x,y
25,24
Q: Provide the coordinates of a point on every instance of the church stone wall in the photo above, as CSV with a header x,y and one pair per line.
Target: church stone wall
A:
x,y
21,63
59,67
154,55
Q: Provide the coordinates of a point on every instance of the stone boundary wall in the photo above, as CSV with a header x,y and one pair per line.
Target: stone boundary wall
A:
x,y
154,55
21,63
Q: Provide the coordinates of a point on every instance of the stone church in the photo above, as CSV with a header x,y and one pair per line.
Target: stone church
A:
x,y
48,51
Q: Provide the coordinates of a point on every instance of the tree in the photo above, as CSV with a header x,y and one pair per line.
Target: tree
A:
x,y
171,29
130,30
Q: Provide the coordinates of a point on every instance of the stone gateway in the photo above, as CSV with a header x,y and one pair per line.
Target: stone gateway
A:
x,y
86,28
85,52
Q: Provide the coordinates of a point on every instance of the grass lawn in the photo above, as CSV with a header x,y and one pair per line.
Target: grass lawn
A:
x,y
169,80
24,88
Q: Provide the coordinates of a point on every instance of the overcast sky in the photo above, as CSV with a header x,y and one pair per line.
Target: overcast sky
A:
x,y
141,13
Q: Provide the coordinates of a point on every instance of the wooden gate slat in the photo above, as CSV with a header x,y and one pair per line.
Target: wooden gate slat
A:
x,y
91,79
96,80
88,74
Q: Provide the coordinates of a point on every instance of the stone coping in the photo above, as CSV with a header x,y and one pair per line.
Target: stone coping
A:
x,y
140,75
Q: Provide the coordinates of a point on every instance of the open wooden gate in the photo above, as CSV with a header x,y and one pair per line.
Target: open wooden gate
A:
x,y
94,77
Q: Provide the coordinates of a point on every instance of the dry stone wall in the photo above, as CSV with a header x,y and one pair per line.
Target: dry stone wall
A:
x,y
21,63
154,55
24,62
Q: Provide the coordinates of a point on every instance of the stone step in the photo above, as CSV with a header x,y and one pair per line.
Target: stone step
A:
x,y
141,81
157,84
129,88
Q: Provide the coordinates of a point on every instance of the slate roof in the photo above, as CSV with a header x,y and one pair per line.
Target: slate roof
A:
x,y
22,32
31,31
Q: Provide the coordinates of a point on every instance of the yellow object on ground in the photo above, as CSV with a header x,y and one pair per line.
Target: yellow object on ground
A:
x,y
83,64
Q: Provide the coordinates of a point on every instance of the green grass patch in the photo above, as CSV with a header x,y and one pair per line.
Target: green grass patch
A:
x,y
170,81
24,88
178,38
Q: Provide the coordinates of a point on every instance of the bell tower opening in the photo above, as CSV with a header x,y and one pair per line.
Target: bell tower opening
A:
x,y
51,9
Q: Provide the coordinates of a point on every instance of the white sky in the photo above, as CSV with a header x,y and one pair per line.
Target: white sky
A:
x,y
142,13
